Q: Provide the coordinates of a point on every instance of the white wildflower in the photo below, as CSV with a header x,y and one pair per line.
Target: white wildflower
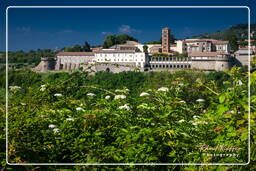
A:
x,y
122,91
126,107
56,130
52,126
163,89
70,119
180,84
194,123
200,100
120,97
231,111
240,82
14,87
23,104
182,101
43,87
195,117
79,109
107,97
91,94
58,95
144,94
182,120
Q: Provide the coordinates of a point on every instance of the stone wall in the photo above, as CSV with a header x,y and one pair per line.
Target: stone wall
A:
x,y
110,67
46,64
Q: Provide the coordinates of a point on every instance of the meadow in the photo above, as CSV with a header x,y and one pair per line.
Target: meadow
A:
x,y
186,116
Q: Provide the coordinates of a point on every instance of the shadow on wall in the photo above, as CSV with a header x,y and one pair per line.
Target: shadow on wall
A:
x,y
237,62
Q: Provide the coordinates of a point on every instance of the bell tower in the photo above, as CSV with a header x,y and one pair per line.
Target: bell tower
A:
x,y
165,40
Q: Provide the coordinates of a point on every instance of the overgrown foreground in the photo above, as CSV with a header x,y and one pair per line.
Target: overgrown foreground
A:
x,y
129,117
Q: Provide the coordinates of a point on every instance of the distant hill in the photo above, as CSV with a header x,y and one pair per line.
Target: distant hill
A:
x,y
239,30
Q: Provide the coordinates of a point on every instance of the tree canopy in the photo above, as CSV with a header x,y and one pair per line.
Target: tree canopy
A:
x,y
78,48
117,39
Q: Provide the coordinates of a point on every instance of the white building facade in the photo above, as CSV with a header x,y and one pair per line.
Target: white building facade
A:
x,y
129,57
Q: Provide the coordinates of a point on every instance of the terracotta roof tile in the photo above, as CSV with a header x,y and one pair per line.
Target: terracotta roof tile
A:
x,y
75,54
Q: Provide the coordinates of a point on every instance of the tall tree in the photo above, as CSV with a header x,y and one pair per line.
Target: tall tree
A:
x,y
233,42
145,49
117,39
86,47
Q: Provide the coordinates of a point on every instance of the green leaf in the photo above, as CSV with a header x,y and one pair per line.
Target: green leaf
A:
x,y
222,98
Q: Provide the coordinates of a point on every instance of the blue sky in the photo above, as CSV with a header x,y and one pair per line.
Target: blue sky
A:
x,y
55,28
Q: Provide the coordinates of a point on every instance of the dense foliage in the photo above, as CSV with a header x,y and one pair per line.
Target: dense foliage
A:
x,y
31,57
78,48
117,39
240,31
130,117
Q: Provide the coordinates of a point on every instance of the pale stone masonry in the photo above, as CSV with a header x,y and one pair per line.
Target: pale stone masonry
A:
x,y
73,60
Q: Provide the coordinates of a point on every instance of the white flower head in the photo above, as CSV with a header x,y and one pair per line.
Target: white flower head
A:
x,y
120,96
122,91
240,82
180,84
194,123
182,120
58,95
52,126
125,107
43,87
195,117
70,119
56,130
182,101
91,94
144,94
163,89
79,109
23,104
107,97
200,100
14,87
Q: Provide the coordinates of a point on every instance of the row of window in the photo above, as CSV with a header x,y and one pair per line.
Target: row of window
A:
x,y
114,55
130,60
169,59
170,66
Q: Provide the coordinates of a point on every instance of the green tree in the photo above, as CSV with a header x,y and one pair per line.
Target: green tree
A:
x,y
233,42
86,47
117,39
145,49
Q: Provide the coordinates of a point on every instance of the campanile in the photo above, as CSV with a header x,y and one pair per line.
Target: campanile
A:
x,y
165,40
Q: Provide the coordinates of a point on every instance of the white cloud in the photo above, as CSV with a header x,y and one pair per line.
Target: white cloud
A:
x,y
106,33
126,29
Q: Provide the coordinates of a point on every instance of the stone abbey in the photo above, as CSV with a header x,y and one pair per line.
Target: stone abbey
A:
x,y
202,54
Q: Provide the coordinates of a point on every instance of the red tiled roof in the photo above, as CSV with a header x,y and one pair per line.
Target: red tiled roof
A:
x,y
205,53
75,54
115,51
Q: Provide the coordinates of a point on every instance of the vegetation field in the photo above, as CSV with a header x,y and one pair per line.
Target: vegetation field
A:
x,y
130,117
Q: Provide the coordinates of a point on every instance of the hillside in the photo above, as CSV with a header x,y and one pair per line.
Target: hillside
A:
x,y
239,30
